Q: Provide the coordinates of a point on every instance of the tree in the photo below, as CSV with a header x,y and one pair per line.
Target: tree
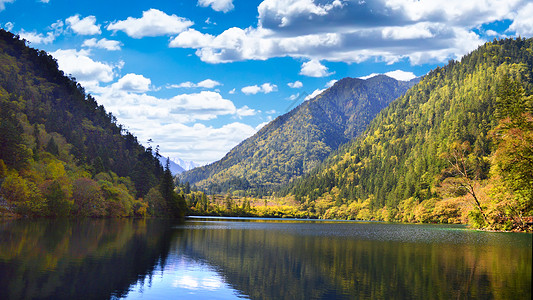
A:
x,y
58,204
87,196
175,203
467,168
514,139
52,147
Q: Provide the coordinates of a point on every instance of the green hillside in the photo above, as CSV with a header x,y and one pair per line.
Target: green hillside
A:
x,y
460,140
296,142
61,153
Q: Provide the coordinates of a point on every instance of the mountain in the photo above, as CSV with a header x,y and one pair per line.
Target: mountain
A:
x,y
296,142
185,165
62,154
175,168
465,130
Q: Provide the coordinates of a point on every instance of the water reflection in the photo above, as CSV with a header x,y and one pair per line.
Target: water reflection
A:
x,y
321,260
259,259
91,259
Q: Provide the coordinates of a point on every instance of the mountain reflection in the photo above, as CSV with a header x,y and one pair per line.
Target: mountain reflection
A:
x,y
90,259
227,259
295,261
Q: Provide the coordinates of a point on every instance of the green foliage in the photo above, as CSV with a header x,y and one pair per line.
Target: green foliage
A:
x,y
174,202
402,154
62,154
56,199
298,141
88,199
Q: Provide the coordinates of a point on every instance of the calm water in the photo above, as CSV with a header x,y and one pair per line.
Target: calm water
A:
x,y
210,258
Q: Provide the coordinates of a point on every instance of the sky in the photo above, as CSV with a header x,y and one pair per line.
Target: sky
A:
x,y
198,77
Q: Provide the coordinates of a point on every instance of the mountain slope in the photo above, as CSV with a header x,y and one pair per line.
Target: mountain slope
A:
x,y
60,152
174,167
408,153
298,141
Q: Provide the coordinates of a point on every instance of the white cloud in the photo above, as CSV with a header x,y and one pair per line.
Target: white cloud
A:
x,y
314,68
251,90
261,125
491,32
37,38
331,83
397,74
152,23
87,71
207,83
3,4
9,26
523,22
191,39
44,1
85,26
314,94
165,120
245,111
294,96
232,91
104,43
133,83
217,5
355,31
200,143
265,88
295,85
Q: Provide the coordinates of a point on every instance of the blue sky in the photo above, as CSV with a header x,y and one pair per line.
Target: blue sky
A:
x,y
199,76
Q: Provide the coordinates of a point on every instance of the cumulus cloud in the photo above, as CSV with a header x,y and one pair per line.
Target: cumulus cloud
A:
x,y
198,142
207,83
217,5
37,38
523,22
83,67
152,23
397,74
173,123
293,96
104,43
3,4
245,111
85,26
9,26
133,83
265,88
331,83
314,94
314,68
295,85
355,31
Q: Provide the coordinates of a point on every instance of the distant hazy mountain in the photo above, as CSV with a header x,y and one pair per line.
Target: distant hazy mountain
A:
x,y
186,165
296,142
175,169
178,165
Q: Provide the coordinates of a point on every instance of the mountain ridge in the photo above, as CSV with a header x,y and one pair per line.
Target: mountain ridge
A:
x,y
296,142
460,138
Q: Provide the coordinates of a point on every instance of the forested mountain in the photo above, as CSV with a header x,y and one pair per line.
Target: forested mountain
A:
x,y
298,141
465,129
61,153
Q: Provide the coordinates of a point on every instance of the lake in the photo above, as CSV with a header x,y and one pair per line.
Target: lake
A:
x,y
231,258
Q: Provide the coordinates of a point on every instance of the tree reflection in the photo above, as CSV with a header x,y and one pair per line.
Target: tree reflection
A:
x,y
268,264
90,259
